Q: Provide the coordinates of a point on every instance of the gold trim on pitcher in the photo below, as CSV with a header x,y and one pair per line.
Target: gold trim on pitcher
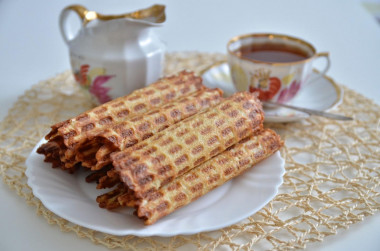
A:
x,y
156,11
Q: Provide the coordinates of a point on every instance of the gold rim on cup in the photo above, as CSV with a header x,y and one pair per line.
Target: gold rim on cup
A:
x,y
271,36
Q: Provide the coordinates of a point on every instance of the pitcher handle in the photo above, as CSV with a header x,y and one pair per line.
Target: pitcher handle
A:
x,y
84,14
323,72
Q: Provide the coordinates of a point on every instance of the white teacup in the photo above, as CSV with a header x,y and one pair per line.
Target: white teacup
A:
x,y
276,66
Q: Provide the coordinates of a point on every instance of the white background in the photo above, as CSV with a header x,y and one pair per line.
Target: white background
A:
x,y
31,49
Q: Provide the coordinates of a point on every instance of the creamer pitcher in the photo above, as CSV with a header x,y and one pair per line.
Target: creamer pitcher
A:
x,y
112,55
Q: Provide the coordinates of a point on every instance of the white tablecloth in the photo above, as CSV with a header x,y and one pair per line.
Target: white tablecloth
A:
x,y
31,49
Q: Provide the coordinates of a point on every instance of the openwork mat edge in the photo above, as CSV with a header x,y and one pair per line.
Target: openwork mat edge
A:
x,y
332,169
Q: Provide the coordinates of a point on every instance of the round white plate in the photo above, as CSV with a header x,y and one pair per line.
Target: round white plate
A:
x,y
322,94
70,197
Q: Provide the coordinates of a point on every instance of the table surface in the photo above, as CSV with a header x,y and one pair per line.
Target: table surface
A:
x,y
32,49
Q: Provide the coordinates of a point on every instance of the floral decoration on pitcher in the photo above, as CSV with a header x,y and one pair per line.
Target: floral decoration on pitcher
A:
x,y
264,84
94,80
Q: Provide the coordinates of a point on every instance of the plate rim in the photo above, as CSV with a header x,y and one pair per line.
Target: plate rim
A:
x,y
140,233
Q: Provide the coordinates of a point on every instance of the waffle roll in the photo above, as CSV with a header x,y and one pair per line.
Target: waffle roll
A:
x,y
138,102
70,133
96,152
97,175
109,180
110,200
103,156
158,160
121,196
207,176
139,127
54,151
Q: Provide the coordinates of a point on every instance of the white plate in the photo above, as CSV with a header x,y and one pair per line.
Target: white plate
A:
x,y
70,197
322,94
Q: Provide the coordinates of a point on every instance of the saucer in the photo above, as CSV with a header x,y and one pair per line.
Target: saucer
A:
x,y
322,94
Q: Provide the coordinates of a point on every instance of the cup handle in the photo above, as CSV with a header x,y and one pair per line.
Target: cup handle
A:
x,y
66,31
323,72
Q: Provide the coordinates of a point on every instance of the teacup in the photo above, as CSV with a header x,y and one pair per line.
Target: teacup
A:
x,y
276,66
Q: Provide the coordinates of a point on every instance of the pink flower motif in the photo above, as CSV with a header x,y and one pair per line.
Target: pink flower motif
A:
x,y
287,94
100,91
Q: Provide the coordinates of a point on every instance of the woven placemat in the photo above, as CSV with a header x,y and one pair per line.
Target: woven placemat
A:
x,y
331,181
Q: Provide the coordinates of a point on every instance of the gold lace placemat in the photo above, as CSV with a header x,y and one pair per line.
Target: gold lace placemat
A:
x,y
331,181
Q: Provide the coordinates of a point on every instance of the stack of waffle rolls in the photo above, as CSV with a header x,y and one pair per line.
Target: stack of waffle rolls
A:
x,y
209,175
163,146
123,134
68,142
156,161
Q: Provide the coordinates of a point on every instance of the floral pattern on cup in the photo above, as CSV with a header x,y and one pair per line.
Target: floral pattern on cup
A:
x,y
238,76
93,80
266,86
288,93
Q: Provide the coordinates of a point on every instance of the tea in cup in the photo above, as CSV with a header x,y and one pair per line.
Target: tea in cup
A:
x,y
273,65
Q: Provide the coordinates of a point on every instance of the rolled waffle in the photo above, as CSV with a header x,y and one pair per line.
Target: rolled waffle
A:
x,y
140,127
156,161
118,136
110,199
109,180
206,177
138,102
69,133
54,151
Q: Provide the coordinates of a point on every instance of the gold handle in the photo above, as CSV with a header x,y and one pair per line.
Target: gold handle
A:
x,y
322,54
321,73
327,56
82,12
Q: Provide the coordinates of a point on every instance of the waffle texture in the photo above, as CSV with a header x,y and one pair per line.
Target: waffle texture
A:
x,y
138,102
66,137
209,175
150,164
139,127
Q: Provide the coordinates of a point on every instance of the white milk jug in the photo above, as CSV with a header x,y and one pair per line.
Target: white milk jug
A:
x,y
112,55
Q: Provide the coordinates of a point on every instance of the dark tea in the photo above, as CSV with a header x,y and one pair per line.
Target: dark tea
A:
x,y
272,53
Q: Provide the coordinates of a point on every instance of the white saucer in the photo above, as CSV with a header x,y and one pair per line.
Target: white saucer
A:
x,y
322,94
